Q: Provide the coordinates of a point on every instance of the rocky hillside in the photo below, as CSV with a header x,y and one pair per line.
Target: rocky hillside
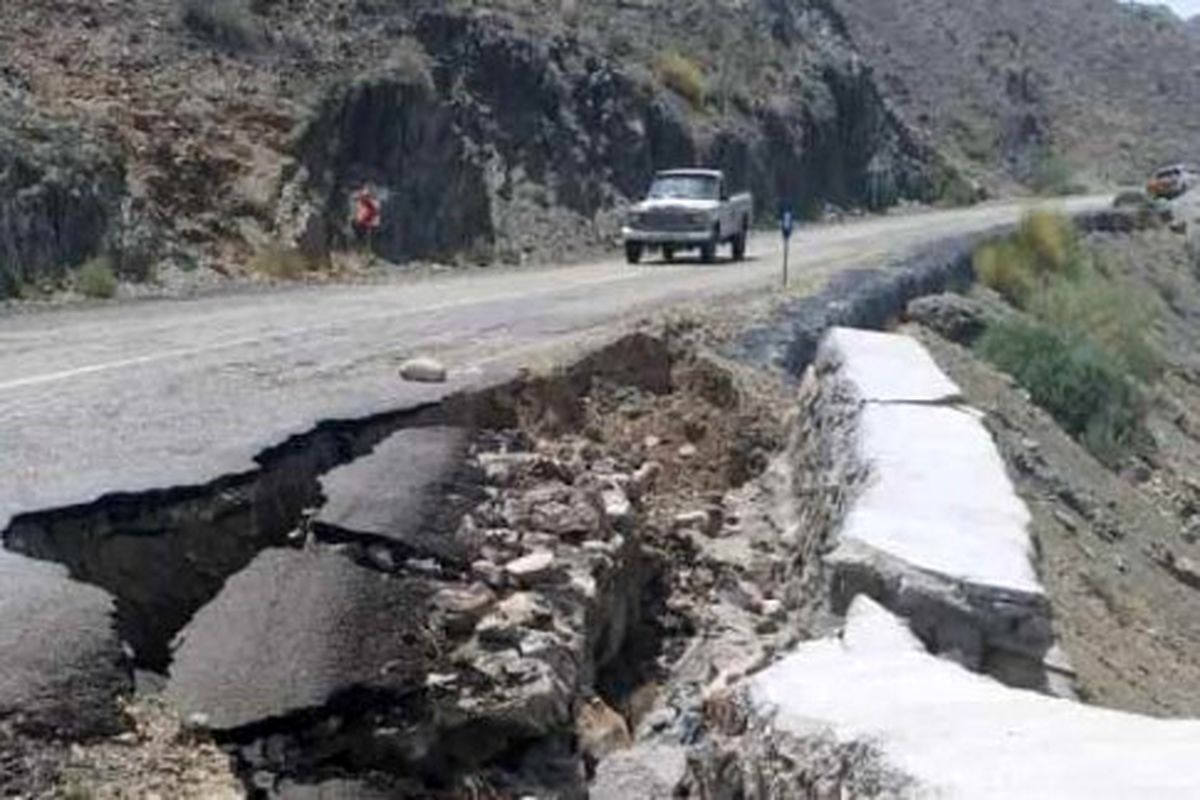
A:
x,y
194,140
1032,90
493,130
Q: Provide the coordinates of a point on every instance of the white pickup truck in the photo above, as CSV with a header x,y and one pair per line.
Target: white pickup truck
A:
x,y
688,209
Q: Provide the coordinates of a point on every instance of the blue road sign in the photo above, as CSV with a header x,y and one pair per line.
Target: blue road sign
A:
x,y
786,223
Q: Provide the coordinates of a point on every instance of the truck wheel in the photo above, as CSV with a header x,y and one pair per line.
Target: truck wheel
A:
x,y
739,244
668,254
708,250
633,252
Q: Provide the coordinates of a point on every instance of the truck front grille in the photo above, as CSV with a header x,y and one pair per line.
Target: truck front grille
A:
x,y
667,221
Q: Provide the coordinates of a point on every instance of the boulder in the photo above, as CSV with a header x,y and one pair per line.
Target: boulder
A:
x,y
533,568
423,370
951,316
646,772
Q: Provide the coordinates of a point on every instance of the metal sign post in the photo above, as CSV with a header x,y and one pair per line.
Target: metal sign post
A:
x,y
786,223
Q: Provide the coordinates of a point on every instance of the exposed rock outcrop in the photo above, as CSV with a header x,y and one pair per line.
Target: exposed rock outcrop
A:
x,y
507,140
61,194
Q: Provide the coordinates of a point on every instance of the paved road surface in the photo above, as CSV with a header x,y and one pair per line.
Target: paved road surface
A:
x,y
168,393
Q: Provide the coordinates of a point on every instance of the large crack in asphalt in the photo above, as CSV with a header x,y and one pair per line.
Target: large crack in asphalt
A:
x,y
500,671
163,554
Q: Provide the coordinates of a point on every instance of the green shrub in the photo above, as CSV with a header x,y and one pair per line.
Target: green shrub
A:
x,y
1114,315
96,278
1076,382
683,76
226,23
1045,247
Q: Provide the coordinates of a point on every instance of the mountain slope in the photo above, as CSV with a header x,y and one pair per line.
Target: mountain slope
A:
x,y
1112,88
494,130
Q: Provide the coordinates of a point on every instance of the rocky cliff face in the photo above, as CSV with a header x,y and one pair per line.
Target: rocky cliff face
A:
x,y
494,130
496,138
60,194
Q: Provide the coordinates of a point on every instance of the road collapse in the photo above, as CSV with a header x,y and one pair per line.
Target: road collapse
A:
x,y
618,579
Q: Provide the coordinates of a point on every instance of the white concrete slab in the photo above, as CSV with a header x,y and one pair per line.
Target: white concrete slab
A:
x,y
958,734
938,498
886,368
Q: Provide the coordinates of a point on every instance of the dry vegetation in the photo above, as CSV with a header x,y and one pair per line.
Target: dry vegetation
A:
x,y
1084,347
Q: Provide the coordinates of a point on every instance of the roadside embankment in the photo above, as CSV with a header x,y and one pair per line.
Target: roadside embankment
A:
x,y
928,550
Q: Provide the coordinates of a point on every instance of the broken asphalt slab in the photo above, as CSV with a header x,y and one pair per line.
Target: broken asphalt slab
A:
x,y
933,528
398,494
934,729
62,666
293,631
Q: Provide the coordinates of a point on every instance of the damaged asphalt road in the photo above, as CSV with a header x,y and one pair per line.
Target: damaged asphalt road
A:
x,y
205,426
142,396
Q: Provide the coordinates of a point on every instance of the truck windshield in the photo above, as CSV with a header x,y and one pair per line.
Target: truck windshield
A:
x,y
686,187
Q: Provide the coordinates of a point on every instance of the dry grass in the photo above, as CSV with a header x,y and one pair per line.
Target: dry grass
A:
x,y
1088,343
283,263
96,278
683,76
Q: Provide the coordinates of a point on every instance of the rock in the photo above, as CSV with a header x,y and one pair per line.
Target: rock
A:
x,y
423,370
687,451
617,508
440,680
294,629
774,609
706,522
646,772
693,520
513,617
460,609
563,511
957,318
339,789
62,667
531,569
396,495
513,469
601,730
747,596
490,573
644,477
64,188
